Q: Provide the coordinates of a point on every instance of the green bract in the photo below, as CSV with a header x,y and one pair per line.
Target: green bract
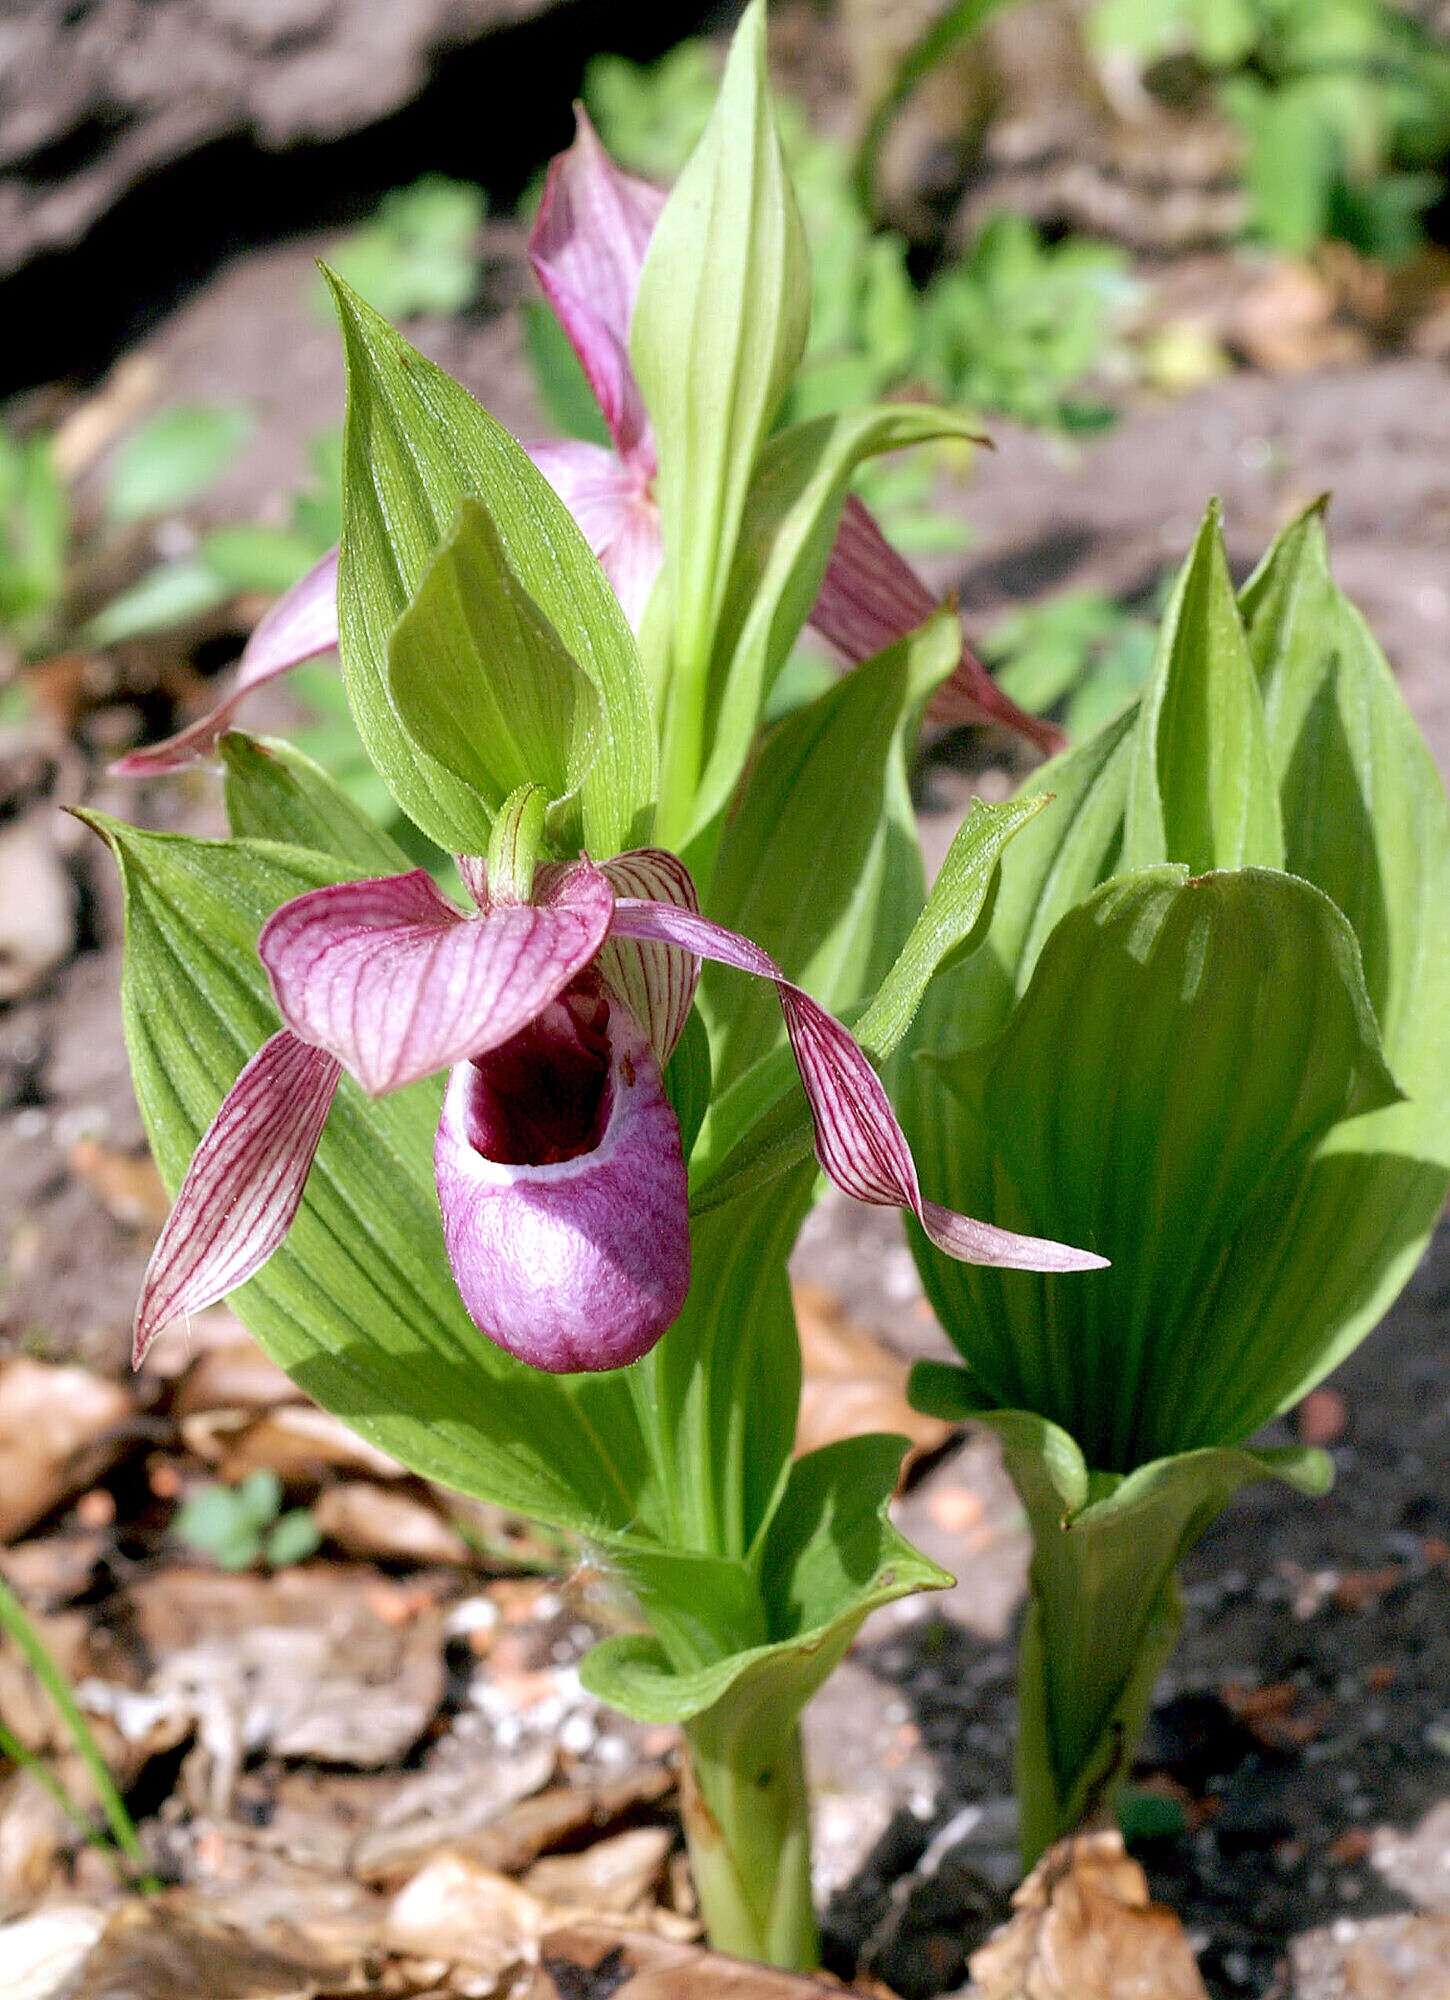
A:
x,y
1206,1034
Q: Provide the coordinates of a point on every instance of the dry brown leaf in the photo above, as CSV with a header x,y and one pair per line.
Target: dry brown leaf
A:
x,y
636,1966
456,1911
60,1428
127,1185
34,1834
234,1375
1388,1958
376,1523
306,1663
165,1953
299,1442
41,1955
852,1383
49,1573
1288,323
535,1825
467,1785
1085,1929
611,1877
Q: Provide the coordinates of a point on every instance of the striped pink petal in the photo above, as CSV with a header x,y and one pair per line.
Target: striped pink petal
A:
x,y
616,513
299,626
656,983
870,597
858,1140
396,983
243,1186
581,1263
587,248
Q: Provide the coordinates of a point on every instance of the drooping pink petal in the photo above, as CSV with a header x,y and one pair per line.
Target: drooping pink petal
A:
x,y
616,513
656,983
299,626
587,248
243,1186
578,1263
870,597
396,983
858,1140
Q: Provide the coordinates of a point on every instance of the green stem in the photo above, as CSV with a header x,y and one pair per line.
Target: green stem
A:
x,y
747,1822
1089,1657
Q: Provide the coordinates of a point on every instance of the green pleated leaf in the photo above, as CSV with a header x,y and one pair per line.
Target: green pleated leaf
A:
x,y
761,1126
719,327
1103,1607
1202,789
1185,1044
416,446
830,1557
274,792
358,1304
791,514
829,790
1365,819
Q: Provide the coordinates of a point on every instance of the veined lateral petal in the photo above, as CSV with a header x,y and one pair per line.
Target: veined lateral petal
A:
x,y
243,1187
859,1142
301,625
870,597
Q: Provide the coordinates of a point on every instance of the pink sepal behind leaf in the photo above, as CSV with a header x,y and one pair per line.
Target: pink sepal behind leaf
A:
x,y
870,597
656,983
299,626
396,983
587,247
858,1140
583,1263
243,1186
611,502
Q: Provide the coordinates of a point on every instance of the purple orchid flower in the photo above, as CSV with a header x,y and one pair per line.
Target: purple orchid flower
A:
x,y
558,1161
587,248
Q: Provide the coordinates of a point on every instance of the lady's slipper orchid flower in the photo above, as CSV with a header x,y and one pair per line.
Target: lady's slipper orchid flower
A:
x,y
559,1169
587,248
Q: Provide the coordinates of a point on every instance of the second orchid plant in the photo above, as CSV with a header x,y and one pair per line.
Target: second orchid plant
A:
x,y
502,1181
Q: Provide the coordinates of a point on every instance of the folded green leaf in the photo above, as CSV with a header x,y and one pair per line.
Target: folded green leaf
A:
x,y
357,1305
1202,789
1103,1610
416,446
831,1556
480,678
719,327
274,792
1184,1046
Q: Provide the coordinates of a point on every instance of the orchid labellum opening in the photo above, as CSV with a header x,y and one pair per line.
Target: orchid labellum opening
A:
x,y
559,1168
